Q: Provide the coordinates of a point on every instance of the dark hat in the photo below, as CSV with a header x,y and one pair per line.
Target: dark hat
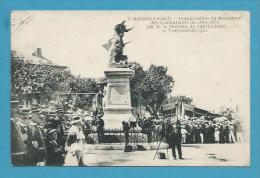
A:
x,y
76,117
60,110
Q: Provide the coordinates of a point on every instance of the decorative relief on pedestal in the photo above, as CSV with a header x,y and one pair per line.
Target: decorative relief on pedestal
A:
x,y
118,95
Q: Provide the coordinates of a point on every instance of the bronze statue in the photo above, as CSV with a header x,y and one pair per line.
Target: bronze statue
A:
x,y
115,46
120,29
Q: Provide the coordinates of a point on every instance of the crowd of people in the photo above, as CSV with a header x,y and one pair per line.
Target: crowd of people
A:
x,y
51,135
55,135
177,131
197,130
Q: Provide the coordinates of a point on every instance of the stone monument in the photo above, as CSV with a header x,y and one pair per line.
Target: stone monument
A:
x,y
117,100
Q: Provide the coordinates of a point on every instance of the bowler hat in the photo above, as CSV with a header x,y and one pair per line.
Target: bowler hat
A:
x,y
75,117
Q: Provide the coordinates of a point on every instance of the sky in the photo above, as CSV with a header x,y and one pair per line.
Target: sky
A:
x,y
213,67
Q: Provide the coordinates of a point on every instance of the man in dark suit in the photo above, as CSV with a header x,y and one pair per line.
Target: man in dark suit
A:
x,y
54,151
174,138
100,129
126,129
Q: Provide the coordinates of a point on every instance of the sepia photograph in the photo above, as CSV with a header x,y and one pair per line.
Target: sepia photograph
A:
x,y
130,88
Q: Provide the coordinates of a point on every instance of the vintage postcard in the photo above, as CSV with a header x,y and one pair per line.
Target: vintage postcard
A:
x,y
130,88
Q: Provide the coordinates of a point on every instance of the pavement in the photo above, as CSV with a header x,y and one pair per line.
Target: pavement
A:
x,y
193,154
121,146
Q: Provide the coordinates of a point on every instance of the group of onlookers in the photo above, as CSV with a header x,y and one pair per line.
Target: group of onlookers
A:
x,y
203,131
195,130
49,135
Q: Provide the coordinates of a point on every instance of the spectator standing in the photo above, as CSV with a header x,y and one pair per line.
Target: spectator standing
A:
x,y
231,135
216,134
238,130
174,140
183,133
54,151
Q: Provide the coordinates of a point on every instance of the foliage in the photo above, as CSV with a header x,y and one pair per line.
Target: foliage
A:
x,y
227,112
136,83
83,85
151,87
45,82
183,98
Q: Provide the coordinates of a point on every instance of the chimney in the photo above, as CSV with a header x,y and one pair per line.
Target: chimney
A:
x,y
39,52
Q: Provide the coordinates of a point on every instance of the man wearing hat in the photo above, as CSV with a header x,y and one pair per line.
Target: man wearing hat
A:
x,y
239,131
14,108
27,129
54,151
54,121
226,132
174,139
19,137
60,126
51,121
126,129
231,134
100,128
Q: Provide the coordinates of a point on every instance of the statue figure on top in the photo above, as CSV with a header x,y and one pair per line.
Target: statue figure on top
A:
x,y
115,47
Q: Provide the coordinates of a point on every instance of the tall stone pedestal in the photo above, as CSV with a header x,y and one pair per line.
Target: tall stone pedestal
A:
x,y
117,106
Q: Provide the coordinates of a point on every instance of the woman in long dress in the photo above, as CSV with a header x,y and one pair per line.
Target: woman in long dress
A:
x,y
75,145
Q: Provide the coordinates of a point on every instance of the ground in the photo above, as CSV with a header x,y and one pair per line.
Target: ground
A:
x,y
193,154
